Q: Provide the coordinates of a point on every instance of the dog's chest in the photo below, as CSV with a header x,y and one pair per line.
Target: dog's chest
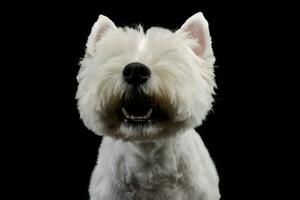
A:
x,y
153,175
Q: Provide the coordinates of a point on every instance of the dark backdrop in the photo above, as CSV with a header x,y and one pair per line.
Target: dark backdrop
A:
x,y
56,154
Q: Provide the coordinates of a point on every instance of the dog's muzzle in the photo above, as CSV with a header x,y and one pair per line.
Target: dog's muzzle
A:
x,y
137,108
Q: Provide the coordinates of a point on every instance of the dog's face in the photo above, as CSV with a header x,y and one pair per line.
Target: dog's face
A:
x,y
138,85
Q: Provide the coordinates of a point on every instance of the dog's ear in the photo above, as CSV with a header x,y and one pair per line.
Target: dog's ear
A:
x,y
197,28
100,28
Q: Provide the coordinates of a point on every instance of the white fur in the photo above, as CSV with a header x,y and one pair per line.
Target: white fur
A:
x,y
166,160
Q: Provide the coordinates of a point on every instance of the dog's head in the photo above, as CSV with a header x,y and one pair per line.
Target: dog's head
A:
x,y
138,85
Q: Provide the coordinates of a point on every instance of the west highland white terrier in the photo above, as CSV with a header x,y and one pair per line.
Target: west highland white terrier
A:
x,y
145,92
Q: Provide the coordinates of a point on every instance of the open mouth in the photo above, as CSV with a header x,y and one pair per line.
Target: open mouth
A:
x,y
140,109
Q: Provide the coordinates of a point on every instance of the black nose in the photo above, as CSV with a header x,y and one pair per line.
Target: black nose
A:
x,y
136,73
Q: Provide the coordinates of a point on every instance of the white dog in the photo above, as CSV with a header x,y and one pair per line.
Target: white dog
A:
x,y
145,92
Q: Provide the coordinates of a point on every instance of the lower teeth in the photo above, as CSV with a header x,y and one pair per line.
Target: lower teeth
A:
x,y
137,118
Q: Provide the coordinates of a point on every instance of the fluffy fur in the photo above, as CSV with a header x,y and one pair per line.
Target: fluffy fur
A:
x,y
165,160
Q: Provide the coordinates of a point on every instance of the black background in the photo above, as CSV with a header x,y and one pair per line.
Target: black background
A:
x,y
53,154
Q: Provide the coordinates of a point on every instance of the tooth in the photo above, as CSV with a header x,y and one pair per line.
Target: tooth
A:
x,y
148,113
125,112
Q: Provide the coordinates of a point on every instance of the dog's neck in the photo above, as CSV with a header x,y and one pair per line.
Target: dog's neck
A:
x,y
150,149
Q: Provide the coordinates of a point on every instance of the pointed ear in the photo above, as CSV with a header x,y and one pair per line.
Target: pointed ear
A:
x,y
102,25
196,27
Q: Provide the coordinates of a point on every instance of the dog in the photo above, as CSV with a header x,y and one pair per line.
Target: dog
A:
x,y
145,92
